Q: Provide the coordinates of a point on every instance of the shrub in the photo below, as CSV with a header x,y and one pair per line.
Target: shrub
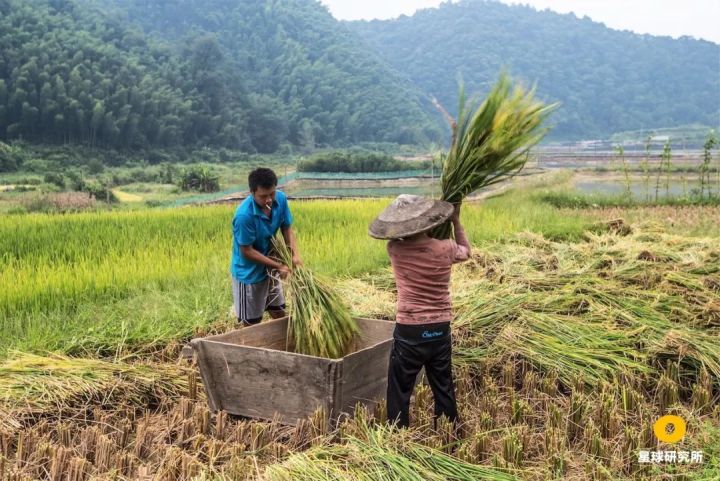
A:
x,y
354,162
101,192
200,179
55,178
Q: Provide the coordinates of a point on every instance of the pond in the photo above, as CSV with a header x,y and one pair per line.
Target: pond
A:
x,y
640,188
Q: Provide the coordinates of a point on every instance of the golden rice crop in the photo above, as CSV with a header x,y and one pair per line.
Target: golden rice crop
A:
x,y
612,304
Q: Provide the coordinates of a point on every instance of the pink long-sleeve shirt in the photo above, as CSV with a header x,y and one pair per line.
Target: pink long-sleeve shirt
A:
x,y
422,274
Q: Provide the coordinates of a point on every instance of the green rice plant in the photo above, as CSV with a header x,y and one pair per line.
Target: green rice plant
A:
x,y
491,143
620,150
711,141
665,163
645,166
138,280
319,323
379,454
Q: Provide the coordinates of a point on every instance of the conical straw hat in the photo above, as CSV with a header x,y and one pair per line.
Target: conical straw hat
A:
x,y
409,215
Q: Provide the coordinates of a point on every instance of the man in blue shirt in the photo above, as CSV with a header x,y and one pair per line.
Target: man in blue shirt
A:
x,y
256,277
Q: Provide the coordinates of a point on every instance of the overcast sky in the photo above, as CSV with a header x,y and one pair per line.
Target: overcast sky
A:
x,y
696,18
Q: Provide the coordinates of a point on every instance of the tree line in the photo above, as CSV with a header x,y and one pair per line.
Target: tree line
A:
x,y
249,75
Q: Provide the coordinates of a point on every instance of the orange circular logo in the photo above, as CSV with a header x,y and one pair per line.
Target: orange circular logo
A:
x,y
661,429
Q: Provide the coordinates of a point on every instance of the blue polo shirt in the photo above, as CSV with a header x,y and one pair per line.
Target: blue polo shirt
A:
x,y
252,227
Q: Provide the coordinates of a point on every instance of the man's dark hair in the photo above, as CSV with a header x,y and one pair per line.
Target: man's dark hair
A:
x,y
262,177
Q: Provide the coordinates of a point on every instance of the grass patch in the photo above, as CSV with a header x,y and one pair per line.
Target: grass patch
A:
x,y
123,196
515,211
574,200
694,221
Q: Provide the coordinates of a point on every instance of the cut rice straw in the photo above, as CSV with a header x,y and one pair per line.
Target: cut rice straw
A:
x,y
490,144
319,322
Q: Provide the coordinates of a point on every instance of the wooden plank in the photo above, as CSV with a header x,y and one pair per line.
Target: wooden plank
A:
x,y
364,373
206,374
271,334
372,332
262,383
243,374
364,376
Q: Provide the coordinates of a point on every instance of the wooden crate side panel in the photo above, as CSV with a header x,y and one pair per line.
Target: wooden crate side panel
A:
x,y
372,332
263,383
270,334
364,376
205,374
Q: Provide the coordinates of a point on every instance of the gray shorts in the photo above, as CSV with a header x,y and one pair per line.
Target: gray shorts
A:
x,y
252,300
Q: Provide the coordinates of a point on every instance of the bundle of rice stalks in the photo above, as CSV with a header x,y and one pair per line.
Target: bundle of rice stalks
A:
x,y
380,453
600,310
491,143
571,345
319,324
54,385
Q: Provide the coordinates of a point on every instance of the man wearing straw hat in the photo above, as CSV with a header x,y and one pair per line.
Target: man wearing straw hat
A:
x,y
422,266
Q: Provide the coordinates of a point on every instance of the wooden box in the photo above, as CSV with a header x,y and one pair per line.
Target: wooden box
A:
x,y
248,372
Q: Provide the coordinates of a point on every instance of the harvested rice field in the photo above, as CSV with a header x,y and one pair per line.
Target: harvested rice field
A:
x,y
575,330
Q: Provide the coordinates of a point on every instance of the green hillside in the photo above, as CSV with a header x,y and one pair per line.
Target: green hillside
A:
x,y
607,80
247,75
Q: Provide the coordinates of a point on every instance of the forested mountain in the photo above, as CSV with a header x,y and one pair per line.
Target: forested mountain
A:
x,y
248,75
607,80
253,75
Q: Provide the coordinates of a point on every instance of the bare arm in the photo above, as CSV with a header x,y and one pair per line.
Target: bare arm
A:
x,y
252,254
289,236
463,252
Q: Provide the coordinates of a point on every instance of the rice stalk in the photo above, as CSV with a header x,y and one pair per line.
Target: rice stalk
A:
x,y
53,385
490,143
379,454
592,319
319,322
